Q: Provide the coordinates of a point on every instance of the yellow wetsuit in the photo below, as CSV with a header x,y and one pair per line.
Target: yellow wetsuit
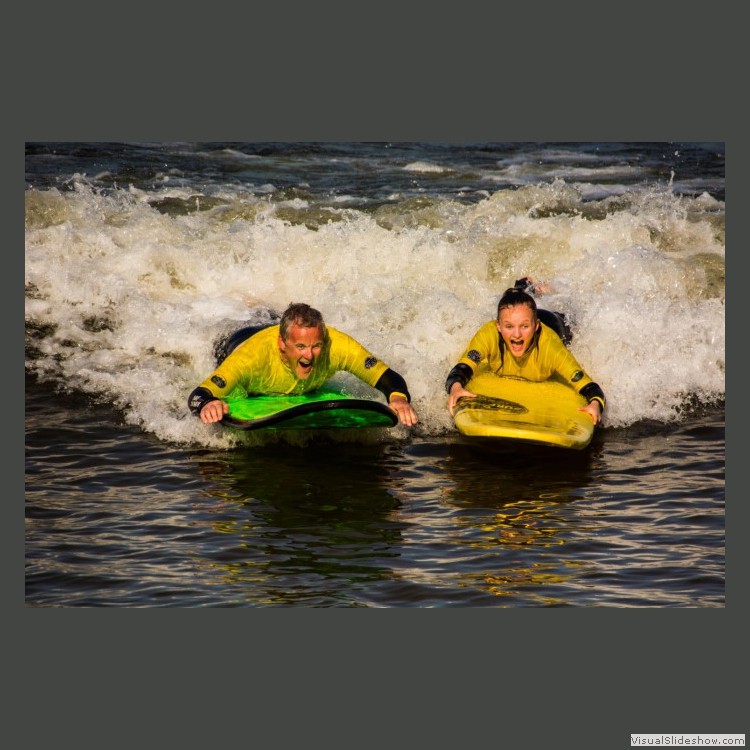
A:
x,y
546,357
256,367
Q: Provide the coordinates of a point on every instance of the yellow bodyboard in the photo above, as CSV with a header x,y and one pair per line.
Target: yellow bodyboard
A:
x,y
535,412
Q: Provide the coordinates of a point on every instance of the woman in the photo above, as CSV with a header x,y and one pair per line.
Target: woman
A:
x,y
517,343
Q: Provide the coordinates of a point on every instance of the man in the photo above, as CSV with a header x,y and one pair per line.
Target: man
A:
x,y
296,356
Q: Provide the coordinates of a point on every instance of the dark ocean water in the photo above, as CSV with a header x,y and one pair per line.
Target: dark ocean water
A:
x,y
114,517
135,260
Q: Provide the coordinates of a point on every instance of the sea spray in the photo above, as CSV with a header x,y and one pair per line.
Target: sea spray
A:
x,y
128,288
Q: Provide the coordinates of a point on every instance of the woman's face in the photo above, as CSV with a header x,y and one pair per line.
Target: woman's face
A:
x,y
517,325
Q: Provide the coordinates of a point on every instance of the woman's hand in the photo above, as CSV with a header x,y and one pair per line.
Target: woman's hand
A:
x,y
594,410
457,392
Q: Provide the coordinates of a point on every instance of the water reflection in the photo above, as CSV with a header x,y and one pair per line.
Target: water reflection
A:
x,y
482,525
310,526
115,517
513,510
493,474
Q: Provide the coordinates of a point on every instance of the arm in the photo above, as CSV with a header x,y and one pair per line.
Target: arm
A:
x,y
393,386
205,405
455,385
348,354
206,401
567,367
596,401
478,353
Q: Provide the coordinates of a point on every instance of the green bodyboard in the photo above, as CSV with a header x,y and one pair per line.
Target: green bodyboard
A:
x,y
319,410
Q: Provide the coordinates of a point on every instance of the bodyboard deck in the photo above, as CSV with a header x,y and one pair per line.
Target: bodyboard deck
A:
x,y
320,410
543,413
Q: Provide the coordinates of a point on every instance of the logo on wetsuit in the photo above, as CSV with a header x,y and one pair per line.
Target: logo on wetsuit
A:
x,y
219,381
577,375
370,362
474,356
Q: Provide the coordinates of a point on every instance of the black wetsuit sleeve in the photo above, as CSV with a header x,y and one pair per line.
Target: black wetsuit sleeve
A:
x,y
198,399
592,392
391,382
461,373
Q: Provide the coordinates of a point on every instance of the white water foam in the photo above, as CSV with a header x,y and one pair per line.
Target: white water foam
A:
x,y
127,300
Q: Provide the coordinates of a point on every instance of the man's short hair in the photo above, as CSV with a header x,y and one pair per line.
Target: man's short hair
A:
x,y
300,314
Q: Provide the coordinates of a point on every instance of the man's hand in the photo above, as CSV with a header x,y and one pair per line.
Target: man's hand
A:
x,y
214,411
404,410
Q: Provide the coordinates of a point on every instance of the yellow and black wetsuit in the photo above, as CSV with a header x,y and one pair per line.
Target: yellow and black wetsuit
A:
x,y
546,357
255,368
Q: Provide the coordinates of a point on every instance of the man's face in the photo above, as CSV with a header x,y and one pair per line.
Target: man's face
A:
x,y
301,348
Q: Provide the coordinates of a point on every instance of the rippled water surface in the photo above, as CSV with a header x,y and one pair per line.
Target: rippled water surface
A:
x,y
117,518
138,256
